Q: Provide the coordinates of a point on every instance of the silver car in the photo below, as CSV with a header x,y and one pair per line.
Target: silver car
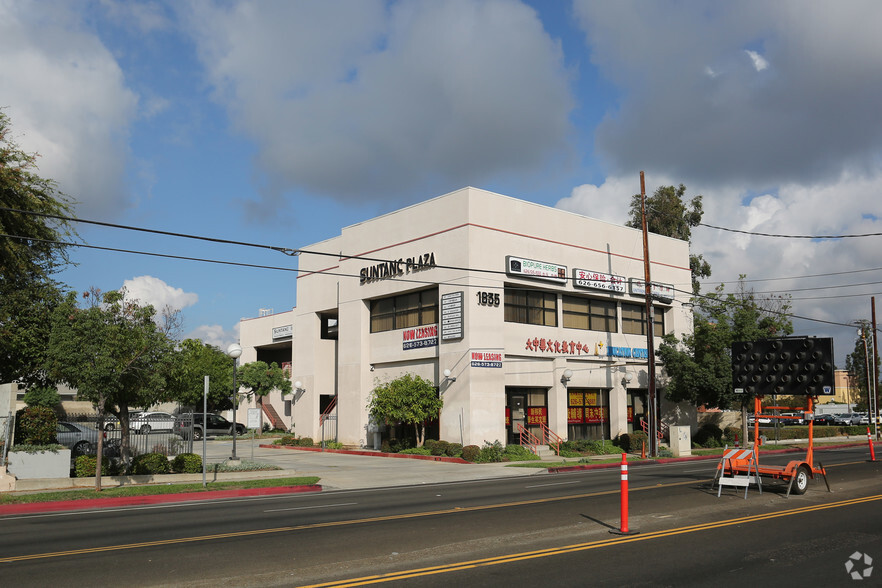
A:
x,y
80,439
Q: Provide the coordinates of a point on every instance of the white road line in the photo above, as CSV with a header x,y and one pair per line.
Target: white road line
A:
x,y
311,507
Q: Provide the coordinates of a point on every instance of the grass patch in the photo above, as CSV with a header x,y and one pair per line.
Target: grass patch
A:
x,y
152,490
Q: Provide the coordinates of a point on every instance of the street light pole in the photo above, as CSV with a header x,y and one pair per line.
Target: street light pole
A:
x,y
234,351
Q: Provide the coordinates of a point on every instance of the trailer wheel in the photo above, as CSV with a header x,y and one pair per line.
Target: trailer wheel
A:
x,y
800,482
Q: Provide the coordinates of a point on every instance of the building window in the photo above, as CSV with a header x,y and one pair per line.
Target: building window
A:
x,y
405,310
589,314
532,307
634,320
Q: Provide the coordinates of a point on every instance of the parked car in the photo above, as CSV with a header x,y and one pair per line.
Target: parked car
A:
x,y
824,419
799,420
79,438
847,418
147,421
763,420
217,425
864,418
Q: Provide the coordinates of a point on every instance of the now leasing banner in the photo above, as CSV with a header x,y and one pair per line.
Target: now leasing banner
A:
x,y
418,337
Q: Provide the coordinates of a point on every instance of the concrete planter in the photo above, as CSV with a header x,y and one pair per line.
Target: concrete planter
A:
x,y
42,464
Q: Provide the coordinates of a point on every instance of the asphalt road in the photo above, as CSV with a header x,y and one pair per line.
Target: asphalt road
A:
x,y
540,530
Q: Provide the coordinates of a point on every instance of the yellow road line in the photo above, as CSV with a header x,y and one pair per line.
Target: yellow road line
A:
x,y
447,568
455,510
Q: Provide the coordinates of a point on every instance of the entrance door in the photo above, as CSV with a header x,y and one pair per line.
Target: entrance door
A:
x,y
517,406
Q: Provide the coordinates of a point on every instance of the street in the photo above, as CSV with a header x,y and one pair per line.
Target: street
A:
x,y
536,529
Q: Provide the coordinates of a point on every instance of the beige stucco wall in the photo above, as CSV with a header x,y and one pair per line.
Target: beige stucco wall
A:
x,y
466,231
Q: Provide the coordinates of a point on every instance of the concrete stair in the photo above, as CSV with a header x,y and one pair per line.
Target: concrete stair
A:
x,y
545,452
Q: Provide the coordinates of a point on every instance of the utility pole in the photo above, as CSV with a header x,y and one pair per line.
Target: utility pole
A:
x,y
650,328
875,371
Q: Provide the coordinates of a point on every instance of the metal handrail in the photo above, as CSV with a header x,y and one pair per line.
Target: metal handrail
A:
x,y
528,439
326,413
550,437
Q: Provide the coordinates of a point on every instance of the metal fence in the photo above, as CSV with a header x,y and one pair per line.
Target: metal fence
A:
x,y
147,434
6,422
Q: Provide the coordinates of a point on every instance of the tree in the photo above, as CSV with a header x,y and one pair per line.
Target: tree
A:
x,y
699,368
856,364
114,353
45,396
32,249
260,379
195,360
668,215
408,399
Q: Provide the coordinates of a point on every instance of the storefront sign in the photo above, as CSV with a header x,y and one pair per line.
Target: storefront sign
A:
x,y
282,332
530,268
452,315
418,337
483,359
663,292
537,415
507,416
584,408
598,281
628,352
562,347
395,268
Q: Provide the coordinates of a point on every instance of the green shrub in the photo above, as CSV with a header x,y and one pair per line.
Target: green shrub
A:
x,y
441,448
431,444
569,453
42,396
35,425
150,463
84,466
708,435
290,440
186,463
471,453
305,442
416,451
631,442
333,445
491,452
385,446
453,450
514,452
664,452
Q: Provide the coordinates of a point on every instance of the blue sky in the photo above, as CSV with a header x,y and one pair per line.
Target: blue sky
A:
x,y
278,123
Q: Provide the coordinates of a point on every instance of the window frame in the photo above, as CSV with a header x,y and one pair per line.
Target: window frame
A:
x,y
658,322
528,312
402,311
590,314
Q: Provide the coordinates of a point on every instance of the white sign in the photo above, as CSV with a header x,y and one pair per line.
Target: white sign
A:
x,y
531,268
663,292
598,281
452,315
282,332
253,418
418,337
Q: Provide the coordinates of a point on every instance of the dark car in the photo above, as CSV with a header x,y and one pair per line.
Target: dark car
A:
x,y
824,419
194,421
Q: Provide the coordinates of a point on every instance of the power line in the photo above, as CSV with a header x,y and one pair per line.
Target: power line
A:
x,y
285,250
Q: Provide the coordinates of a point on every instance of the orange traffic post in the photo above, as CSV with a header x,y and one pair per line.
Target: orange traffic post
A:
x,y
870,441
624,501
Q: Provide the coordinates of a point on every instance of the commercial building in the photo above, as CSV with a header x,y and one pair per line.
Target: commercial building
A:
x,y
521,314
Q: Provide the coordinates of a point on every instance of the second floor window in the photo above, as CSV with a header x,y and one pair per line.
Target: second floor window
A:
x,y
405,310
532,307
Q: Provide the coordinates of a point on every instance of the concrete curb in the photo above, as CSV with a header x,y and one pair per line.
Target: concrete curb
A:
x,y
35,484
92,503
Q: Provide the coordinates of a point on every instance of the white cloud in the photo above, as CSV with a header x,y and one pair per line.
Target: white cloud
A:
x,y
808,118
372,99
215,335
759,63
151,290
67,99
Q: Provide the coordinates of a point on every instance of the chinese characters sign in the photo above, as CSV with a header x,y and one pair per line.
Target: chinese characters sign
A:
x,y
584,408
537,415
598,281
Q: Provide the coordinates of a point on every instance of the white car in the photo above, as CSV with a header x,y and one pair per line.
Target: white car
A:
x,y
145,422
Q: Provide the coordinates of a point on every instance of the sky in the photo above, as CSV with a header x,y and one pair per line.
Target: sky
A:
x,y
278,123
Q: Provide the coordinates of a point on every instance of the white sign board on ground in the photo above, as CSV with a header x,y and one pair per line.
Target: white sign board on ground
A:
x,y
253,418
